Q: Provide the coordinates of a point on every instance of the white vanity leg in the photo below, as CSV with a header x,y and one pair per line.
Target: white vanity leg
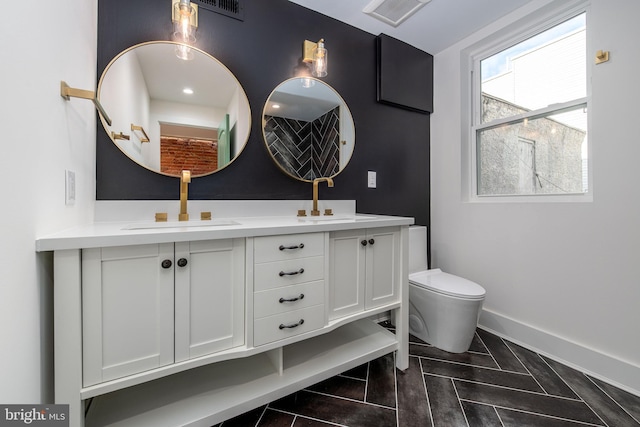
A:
x,y
67,316
401,315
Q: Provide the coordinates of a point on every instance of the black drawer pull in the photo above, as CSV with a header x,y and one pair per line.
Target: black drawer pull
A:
x,y
167,263
300,246
182,262
295,325
363,243
282,300
291,273
371,241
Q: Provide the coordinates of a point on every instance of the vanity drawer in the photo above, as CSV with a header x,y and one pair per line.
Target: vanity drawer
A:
x,y
271,275
287,298
288,246
289,324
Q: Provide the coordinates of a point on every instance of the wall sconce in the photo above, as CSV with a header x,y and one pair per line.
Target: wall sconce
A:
x,y
316,54
184,16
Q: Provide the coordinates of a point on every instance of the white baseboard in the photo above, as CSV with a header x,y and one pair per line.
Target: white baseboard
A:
x,y
605,367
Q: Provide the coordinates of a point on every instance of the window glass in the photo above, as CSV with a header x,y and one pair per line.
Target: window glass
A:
x,y
533,156
531,123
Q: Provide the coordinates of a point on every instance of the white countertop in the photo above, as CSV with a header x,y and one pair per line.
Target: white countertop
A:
x,y
137,232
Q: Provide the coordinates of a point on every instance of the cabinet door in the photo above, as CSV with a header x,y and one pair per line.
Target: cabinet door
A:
x,y
383,262
127,310
347,272
209,294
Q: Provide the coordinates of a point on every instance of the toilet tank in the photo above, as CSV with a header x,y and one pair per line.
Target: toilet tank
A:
x,y
418,260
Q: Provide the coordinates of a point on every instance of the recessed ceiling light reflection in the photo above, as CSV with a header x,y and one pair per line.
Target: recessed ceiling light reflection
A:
x,y
187,91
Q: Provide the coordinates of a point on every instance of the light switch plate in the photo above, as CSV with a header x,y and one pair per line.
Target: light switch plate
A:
x,y
70,187
371,179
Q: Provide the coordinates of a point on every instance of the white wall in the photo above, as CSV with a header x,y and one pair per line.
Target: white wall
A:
x,y
239,106
42,135
125,98
560,277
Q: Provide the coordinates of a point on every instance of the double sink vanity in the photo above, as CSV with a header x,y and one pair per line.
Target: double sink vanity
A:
x,y
172,324
191,322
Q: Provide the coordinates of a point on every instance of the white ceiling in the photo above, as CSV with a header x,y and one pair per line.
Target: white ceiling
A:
x,y
436,26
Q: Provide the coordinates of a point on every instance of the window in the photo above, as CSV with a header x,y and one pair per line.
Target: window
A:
x,y
529,128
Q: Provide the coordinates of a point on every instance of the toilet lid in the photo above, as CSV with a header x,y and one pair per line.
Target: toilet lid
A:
x,y
447,284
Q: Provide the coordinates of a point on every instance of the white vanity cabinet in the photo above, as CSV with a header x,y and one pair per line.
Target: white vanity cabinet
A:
x,y
147,306
289,286
127,311
192,326
209,297
364,270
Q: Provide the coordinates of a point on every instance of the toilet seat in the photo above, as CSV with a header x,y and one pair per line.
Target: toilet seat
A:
x,y
447,284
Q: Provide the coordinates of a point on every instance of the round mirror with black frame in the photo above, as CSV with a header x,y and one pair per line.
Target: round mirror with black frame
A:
x,y
170,114
308,129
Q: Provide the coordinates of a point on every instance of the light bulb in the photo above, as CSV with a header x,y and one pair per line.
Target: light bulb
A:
x,y
185,27
319,67
183,30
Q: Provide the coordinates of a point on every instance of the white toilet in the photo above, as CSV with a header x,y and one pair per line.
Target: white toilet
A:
x,y
443,308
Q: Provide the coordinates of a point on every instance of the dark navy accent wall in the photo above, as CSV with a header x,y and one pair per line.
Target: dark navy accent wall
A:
x,y
262,51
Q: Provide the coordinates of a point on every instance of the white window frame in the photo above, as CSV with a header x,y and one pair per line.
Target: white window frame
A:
x,y
523,29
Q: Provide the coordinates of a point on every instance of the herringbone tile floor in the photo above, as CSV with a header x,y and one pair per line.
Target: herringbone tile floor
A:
x,y
496,383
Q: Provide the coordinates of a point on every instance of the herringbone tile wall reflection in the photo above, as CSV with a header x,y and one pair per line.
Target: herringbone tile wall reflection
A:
x,y
496,383
304,149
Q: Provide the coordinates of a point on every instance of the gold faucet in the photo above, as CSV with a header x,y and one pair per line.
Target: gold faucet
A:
x,y
315,211
185,179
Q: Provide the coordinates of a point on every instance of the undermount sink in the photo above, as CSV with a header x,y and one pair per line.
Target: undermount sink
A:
x,y
336,218
180,224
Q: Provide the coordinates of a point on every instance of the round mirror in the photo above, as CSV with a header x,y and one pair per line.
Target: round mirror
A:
x,y
169,114
308,129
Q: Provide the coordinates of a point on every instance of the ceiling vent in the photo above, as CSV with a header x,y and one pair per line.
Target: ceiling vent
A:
x,y
231,8
393,12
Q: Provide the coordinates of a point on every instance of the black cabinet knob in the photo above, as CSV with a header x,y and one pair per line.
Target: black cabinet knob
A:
x,y
182,262
166,263
363,243
371,241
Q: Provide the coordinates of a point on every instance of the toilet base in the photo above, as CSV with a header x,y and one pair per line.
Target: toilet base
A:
x,y
445,322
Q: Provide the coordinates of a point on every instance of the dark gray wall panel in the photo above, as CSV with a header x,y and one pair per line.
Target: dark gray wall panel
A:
x,y
262,51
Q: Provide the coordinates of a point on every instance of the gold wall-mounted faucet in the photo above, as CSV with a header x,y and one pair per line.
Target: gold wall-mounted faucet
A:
x,y
315,211
185,179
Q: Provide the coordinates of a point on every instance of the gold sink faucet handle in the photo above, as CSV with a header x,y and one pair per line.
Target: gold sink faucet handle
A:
x,y
185,179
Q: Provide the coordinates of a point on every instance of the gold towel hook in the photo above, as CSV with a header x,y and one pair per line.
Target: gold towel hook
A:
x,y
602,56
119,136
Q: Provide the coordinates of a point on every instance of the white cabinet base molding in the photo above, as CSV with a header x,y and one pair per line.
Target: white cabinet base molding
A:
x,y
216,392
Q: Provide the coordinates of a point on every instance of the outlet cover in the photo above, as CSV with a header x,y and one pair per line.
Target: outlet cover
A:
x,y
70,187
371,179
